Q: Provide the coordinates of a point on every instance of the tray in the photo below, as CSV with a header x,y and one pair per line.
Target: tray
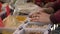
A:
x,y
24,31
37,26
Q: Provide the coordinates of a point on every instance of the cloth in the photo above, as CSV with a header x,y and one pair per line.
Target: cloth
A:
x,y
56,6
55,18
56,31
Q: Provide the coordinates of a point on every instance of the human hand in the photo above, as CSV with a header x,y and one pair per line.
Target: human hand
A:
x,y
40,17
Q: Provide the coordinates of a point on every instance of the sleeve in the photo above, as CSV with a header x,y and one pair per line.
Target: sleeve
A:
x,y
56,6
55,18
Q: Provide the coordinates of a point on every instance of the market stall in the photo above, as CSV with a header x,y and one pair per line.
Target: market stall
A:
x,y
15,18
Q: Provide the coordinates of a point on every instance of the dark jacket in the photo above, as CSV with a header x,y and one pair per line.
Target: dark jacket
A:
x,y
40,2
55,18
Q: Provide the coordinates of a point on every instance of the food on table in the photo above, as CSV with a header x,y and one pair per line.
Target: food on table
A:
x,y
26,8
35,26
7,32
34,33
12,22
21,18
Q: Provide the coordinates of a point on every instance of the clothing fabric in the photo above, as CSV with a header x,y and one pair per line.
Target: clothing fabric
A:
x,y
55,18
39,2
56,31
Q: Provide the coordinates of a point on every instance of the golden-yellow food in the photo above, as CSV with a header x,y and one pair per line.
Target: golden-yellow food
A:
x,y
20,18
7,32
13,22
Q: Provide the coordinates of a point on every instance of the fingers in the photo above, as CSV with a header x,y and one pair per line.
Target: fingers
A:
x,y
34,15
35,19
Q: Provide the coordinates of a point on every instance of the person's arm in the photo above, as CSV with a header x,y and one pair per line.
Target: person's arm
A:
x,y
55,18
43,17
55,5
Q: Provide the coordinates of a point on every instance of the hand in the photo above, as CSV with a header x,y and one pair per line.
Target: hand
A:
x,y
40,17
